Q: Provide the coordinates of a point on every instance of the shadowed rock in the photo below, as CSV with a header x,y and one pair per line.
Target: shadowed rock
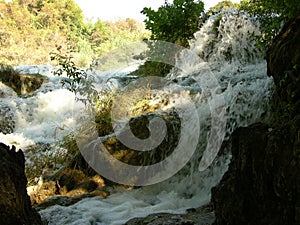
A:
x,y
15,207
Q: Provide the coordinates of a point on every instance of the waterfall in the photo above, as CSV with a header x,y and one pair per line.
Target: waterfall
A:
x,y
223,53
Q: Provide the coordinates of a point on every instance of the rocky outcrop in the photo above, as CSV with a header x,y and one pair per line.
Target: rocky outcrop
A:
x,y
139,126
21,83
284,66
123,144
66,187
262,184
15,207
78,180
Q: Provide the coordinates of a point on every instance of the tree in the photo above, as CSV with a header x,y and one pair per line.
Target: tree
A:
x,y
64,14
174,22
271,14
224,5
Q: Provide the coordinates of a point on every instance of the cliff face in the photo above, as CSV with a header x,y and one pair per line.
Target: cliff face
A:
x,y
15,207
262,185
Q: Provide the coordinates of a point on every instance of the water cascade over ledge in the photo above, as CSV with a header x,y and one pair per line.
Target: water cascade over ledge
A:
x,y
228,55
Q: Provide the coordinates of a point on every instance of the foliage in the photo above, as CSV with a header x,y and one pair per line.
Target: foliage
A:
x,y
174,22
103,118
221,6
106,36
30,29
74,79
150,68
271,14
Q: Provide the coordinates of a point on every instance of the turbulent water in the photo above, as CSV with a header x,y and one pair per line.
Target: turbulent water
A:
x,y
229,56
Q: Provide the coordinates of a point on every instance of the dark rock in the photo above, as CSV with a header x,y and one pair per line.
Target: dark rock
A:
x,y
56,200
283,60
262,184
199,216
69,200
284,54
15,207
126,152
21,83
139,126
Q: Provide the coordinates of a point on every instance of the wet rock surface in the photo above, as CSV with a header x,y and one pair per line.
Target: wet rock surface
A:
x,y
199,216
66,187
15,207
22,84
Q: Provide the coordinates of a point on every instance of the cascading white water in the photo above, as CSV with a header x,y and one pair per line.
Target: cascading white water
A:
x,y
37,117
241,72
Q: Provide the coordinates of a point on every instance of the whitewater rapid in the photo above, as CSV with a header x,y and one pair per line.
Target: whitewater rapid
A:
x,y
232,58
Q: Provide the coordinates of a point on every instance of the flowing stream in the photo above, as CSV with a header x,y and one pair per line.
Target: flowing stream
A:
x,y
225,46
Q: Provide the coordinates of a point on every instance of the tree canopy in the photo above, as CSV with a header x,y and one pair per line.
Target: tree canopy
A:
x,y
31,29
272,14
220,6
174,22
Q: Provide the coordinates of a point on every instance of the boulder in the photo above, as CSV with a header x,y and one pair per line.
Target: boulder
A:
x,y
262,185
71,183
22,84
15,206
123,145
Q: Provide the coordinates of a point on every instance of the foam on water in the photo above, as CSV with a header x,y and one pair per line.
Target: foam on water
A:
x,y
235,61
232,58
172,196
47,115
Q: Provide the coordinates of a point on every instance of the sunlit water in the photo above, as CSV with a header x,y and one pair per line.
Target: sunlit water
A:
x,y
233,59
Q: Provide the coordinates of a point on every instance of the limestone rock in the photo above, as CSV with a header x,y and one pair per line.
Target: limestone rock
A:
x,y
71,183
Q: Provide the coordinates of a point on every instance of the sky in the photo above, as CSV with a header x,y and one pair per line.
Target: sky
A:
x,y
113,10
